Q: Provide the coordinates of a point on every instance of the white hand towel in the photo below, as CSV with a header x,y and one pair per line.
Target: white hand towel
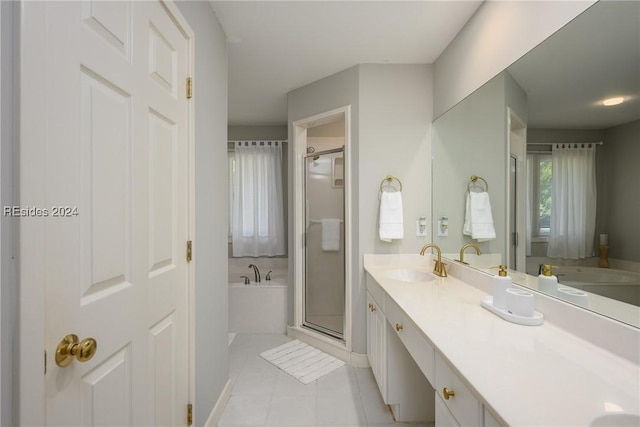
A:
x,y
391,226
330,234
481,217
466,228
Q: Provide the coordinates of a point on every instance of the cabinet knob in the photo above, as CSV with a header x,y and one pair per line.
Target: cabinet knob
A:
x,y
447,393
399,327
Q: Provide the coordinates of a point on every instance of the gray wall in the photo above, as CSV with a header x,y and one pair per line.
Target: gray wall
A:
x,y
470,139
210,252
335,91
259,133
390,130
499,33
622,216
8,294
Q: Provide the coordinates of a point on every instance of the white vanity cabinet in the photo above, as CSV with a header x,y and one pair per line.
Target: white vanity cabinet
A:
x,y
407,368
458,401
376,343
401,382
438,330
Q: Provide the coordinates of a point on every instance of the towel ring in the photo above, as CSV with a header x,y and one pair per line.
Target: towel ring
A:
x,y
389,179
474,179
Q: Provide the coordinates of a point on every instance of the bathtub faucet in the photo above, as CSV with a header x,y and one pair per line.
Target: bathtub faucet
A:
x,y
256,272
246,280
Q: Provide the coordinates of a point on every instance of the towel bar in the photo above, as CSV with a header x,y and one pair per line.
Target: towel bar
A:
x,y
474,179
389,179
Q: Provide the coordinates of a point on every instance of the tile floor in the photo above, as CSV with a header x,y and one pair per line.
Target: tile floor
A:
x,y
263,395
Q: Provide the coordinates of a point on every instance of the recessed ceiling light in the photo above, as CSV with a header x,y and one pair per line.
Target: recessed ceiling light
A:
x,y
613,101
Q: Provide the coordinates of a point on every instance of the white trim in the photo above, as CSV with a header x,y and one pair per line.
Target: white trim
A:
x,y
299,151
519,151
30,265
329,346
188,33
218,408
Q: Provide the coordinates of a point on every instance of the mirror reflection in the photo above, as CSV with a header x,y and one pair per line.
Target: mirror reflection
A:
x,y
561,166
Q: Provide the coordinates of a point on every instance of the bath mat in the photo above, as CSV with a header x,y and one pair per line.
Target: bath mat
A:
x,y
303,362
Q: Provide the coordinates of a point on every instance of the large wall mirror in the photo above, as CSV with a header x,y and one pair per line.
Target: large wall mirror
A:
x,y
504,133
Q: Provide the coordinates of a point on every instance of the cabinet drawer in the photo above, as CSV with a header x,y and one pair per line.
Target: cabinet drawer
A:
x,y
464,406
419,348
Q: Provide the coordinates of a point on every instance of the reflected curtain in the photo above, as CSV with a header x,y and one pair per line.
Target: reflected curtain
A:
x,y
258,214
573,201
528,212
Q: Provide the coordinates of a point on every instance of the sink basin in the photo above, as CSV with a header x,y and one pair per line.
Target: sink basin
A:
x,y
618,420
410,275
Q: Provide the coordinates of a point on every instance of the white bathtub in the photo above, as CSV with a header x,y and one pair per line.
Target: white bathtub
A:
x,y
258,309
618,284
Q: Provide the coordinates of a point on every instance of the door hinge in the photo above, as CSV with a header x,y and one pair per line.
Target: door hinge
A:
x,y
189,414
45,362
189,88
189,250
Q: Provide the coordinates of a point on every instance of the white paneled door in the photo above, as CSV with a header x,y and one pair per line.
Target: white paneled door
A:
x,y
115,170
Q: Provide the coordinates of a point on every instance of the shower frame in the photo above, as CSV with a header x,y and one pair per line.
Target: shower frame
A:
x,y
341,348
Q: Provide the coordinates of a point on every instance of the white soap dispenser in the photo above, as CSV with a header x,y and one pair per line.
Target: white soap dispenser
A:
x,y
501,282
547,282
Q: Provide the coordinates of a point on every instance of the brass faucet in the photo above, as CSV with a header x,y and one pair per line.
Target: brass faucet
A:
x,y
468,245
439,269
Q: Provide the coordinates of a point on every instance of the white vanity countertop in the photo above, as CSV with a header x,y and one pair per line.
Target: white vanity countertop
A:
x,y
527,375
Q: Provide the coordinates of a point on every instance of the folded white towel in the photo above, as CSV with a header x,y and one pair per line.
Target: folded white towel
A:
x,y
466,228
330,234
478,218
391,226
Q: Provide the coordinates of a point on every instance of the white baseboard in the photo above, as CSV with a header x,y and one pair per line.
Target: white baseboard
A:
x,y
218,408
329,346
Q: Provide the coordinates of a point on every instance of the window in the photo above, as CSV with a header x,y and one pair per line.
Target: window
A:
x,y
257,219
541,176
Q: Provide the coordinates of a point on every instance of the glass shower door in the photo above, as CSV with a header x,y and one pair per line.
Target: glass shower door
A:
x,y
324,287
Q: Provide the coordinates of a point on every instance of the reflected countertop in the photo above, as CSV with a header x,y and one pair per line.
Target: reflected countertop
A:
x,y
527,375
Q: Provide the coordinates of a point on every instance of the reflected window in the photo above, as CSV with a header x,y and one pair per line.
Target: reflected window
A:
x,y
541,176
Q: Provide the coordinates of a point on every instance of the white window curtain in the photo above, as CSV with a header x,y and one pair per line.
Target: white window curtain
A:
x,y
257,218
530,205
573,201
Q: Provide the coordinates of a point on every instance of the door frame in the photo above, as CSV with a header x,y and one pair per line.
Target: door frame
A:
x,y
299,151
516,148
30,186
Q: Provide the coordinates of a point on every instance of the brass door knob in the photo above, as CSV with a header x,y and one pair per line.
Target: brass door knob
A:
x,y
69,347
447,393
399,327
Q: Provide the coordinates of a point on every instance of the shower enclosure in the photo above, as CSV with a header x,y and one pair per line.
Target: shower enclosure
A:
x,y
324,242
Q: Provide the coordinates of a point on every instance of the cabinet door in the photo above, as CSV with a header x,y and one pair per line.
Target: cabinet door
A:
x,y
371,331
443,415
376,343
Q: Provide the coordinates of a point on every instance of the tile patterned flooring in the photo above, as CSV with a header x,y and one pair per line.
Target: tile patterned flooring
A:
x,y
263,395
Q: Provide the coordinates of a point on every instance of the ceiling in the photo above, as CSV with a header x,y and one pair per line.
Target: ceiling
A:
x,y
596,56
277,46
